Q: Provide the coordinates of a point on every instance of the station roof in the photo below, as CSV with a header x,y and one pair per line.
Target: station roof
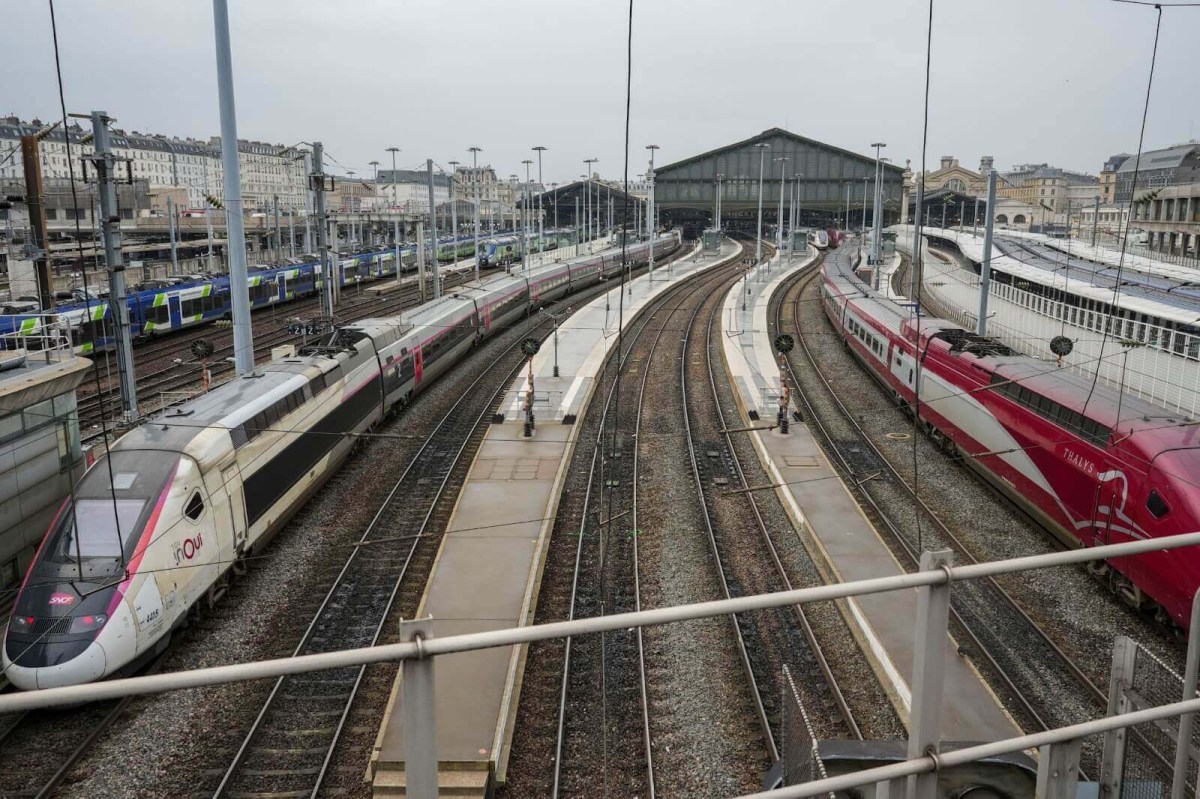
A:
x,y
822,172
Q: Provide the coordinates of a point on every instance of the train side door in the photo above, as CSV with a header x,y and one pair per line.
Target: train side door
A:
x,y
231,480
174,311
903,368
1102,511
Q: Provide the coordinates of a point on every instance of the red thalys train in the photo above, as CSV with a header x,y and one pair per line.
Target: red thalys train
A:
x,y
1094,467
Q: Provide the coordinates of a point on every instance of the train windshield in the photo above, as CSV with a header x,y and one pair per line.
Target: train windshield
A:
x,y
98,531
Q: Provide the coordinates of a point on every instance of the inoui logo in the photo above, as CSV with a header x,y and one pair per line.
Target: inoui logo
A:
x,y
188,548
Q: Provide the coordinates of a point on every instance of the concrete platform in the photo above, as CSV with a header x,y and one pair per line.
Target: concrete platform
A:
x,y
488,570
831,525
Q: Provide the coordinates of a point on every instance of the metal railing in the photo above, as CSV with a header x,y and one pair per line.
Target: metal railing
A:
x,y
1148,361
419,650
42,334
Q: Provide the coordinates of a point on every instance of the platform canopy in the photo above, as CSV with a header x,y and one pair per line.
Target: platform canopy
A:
x,y
823,173
565,197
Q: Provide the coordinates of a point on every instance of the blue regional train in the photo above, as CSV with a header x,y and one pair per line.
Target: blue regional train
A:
x,y
168,308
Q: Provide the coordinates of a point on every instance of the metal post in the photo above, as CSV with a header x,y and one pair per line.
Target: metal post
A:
x,y
38,226
421,260
962,212
278,230
863,234
420,718
478,200
914,272
985,269
929,666
1113,761
1095,221
308,205
541,216
578,232
876,211
437,283
243,338
171,227
762,152
208,216
717,204
110,228
943,216
846,220
317,184
1058,770
291,229
975,219
783,159
651,209
1183,741
453,212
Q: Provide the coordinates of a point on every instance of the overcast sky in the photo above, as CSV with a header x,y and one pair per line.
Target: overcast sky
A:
x,y
1060,81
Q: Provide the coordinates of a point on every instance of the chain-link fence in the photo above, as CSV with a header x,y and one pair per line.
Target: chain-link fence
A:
x,y
798,745
1139,763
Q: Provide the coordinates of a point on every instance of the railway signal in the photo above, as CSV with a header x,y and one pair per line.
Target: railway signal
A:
x,y
783,345
530,347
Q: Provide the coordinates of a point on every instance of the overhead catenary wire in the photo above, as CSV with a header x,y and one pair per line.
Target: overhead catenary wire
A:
x,y
916,266
1137,165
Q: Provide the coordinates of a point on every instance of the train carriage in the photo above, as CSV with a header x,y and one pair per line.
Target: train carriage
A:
x,y
210,481
1092,465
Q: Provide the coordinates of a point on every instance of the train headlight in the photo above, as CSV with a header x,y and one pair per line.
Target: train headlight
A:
x,y
22,624
84,624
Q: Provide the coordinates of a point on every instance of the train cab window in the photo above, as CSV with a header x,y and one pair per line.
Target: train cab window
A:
x,y
195,507
1157,506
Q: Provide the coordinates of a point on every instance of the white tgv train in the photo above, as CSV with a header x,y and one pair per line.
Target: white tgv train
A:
x,y
156,525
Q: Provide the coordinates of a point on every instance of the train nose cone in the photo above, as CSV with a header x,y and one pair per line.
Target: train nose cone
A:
x,y
52,664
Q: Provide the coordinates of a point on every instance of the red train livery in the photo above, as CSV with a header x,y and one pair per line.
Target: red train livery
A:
x,y
1092,465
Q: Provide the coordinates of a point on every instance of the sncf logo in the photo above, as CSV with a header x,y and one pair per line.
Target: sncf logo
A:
x,y
61,599
187,549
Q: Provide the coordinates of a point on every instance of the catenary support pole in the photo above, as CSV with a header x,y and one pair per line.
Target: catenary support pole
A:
x,y
1096,222
437,284
762,154
243,337
110,227
317,183
985,269
915,267
171,226
278,254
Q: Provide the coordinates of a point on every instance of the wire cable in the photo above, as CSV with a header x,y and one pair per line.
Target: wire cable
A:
x,y
1137,165
916,266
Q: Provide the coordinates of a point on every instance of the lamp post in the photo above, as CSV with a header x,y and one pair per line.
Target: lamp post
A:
x,y
453,210
877,211
554,188
650,205
863,232
541,226
395,212
783,162
846,216
799,199
554,318
587,203
717,207
762,153
474,151
527,206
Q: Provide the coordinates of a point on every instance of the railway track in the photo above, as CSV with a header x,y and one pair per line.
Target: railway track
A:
x,y
606,579
292,742
616,485
987,620
38,751
740,562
